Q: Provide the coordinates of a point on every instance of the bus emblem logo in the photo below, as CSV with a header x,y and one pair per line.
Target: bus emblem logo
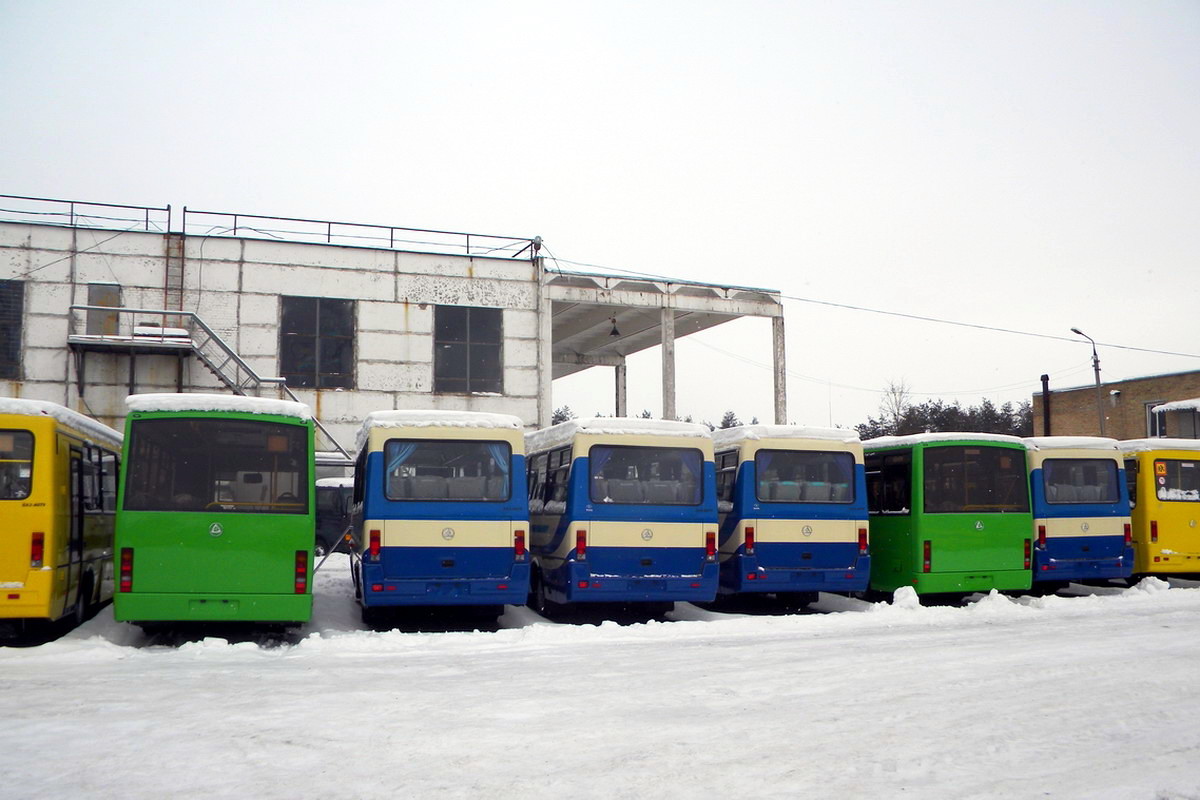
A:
x,y
215,529
647,534
806,530
447,533
1085,527
979,525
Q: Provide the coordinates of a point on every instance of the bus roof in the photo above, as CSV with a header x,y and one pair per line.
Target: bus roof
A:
x,y
942,436
1071,442
72,419
1147,445
564,432
216,402
729,436
432,418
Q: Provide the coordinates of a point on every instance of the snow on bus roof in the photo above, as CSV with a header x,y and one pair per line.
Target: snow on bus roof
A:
x,y
943,436
82,423
728,436
1146,445
433,418
1178,405
564,432
216,402
339,483
1072,442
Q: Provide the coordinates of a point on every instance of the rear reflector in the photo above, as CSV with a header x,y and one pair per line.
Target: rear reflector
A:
x,y
862,541
376,587
1128,534
1028,552
581,548
126,577
583,584
749,541
373,547
1041,537
1154,530
710,546
37,549
927,557
301,571
519,545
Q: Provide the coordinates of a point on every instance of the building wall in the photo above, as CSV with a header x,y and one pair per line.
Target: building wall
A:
x,y
1073,411
235,286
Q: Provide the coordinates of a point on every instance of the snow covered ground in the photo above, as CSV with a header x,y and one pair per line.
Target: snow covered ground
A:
x,y
1093,696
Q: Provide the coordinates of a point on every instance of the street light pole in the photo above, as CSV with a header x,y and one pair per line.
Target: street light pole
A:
x,y
1096,368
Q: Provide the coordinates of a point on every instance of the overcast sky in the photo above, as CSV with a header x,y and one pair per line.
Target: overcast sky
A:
x,y
1033,166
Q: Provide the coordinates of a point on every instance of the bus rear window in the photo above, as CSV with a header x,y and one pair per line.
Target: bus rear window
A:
x,y
1176,480
626,475
217,465
1080,480
16,464
801,476
975,479
443,469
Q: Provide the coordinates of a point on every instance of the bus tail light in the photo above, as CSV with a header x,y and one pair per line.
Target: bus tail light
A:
x,y
1128,534
1041,537
710,546
1154,530
927,559
37,550
375,539
580,545
301,571
749,541
126,577
1028,553
862,541
519,545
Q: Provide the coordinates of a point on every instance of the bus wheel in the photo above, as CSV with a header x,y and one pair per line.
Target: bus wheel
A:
x,y
795,602
320,549
83,602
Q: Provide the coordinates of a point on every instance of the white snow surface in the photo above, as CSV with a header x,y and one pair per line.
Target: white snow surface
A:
x,y
33,408
432,418
340,483
1178,405
1090,696
562,433
945,436
726,437
1163,443
1071,443
197,401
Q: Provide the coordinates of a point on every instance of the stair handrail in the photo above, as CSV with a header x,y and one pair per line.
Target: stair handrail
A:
x,y
213,336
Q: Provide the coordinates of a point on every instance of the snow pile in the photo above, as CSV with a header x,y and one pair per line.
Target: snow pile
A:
x,y
216,402
433,418
1071,443
99,432
1150,445
947,436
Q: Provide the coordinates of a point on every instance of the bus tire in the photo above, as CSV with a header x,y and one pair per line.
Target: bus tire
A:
x,y
83,602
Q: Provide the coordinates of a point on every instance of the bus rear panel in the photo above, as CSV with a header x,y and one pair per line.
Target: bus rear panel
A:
x,y
1163,476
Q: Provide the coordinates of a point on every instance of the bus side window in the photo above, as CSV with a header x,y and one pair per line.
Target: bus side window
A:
x,y
889,482
360,471
91,468
1131,472
560,466
726,473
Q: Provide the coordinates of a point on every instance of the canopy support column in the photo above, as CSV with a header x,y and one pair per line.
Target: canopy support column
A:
x,y
668,363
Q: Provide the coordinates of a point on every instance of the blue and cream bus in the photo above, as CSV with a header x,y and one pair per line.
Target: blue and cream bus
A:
x,y
793,510
439,511
1081,514
622,511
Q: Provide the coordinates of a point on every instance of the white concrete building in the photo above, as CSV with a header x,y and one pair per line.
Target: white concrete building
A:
x,y
100,301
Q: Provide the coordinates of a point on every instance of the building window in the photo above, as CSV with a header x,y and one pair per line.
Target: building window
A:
x,y
467,354
316,342
1156,424
12,306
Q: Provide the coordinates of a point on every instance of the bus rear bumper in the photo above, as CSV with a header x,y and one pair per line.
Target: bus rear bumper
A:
x,y
575,583
1046,568
30,599
150,607
742,574
428,591
967,582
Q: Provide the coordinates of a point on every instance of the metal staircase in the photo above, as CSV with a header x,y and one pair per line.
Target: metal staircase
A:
x,y
192,335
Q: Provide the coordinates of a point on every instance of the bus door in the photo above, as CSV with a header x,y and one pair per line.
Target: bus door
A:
x,y
75,529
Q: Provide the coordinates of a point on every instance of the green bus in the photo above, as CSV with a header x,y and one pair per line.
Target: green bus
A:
x,y
949,512
215,513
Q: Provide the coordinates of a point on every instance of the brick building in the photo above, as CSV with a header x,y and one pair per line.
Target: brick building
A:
x,y
1128,408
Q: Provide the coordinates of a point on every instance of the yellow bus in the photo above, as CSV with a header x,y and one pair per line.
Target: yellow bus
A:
x,y
58,489
1164,489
